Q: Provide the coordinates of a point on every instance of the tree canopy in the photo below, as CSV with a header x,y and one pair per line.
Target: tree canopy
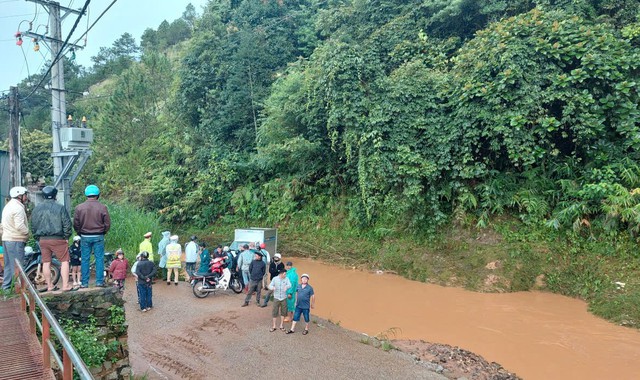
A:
x,y
412,112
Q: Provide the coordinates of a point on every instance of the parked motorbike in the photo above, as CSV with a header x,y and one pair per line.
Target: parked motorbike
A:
x,y
33,268
108,258
202,284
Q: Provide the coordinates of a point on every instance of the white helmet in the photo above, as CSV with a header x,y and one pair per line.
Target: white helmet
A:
x,y
17,191
76,238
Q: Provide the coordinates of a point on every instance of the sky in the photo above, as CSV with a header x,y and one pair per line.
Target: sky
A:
x,y
132,16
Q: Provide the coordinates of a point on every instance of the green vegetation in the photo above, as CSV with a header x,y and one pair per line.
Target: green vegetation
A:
x,y
128,225
431,138
84,338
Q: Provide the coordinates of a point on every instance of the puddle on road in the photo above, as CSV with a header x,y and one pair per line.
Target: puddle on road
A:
x,y
536,335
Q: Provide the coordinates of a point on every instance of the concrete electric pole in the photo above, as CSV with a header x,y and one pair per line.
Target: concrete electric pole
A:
x,y
15,172
69,145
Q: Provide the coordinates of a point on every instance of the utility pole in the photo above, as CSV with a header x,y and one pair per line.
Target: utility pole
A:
x,y
15,172
64,158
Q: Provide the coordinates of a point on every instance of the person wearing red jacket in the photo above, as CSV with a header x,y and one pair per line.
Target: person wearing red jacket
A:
x,y
118,269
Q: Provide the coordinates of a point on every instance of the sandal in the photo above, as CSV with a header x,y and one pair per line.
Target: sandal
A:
x,y
272,329
305,332
289,332
282,328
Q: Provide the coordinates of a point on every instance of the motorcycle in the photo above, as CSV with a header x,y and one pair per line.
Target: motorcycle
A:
x,y
204,283
33,268
108,258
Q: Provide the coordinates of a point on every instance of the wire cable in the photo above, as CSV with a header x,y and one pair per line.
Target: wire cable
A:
x,y
16,16
98,19
26,62
57,57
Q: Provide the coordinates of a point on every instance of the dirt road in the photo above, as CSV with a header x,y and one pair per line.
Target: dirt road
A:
x,y
183,337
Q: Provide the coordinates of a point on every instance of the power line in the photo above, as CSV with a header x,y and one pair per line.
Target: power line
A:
x,y
57,57
26,63
98,19
16,16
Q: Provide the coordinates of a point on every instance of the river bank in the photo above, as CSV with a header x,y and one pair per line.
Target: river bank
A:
x,y
187,338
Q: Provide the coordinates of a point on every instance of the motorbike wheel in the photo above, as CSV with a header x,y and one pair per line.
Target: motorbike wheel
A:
x,y
197,290
235,285
38,282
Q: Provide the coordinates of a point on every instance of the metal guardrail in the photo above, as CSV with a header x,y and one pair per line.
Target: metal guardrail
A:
x,y
70,357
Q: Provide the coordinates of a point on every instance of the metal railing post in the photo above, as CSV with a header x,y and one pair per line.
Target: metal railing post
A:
x,y
67,372
46,351
70,358
32,311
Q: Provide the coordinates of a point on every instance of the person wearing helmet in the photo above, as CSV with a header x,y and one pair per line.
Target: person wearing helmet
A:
x,y
275,267
91,221
15,232
74,255
118,269
51,227
305,301
145,271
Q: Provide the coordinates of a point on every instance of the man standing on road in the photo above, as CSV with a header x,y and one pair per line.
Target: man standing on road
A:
x,y
279,286
257,269
245,257
191,256
15,232
91,221
267,260
51,227
275,267
306,300
145,271
146,246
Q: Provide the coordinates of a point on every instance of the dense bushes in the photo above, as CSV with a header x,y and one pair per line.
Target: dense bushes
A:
x,y
427,113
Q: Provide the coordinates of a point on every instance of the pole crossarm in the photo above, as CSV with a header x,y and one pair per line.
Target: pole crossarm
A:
x,y
42,37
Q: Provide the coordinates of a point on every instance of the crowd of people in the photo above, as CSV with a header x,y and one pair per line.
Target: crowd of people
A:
x,y
51,227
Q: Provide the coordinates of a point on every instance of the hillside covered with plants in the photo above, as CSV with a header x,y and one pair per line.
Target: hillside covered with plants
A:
x,y
428,137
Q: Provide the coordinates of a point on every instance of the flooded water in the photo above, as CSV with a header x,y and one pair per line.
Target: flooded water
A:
x,y
536,335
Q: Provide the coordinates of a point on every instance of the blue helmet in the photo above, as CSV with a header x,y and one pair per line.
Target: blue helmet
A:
x,y
91,191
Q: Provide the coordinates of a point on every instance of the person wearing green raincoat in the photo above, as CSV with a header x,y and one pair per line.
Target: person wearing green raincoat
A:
x,y
205,258
292,275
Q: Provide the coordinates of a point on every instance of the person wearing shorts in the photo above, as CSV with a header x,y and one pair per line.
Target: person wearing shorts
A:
x,y
306,300
51,226
279,286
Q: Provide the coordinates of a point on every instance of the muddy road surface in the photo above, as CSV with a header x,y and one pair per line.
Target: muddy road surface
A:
x,y
183,337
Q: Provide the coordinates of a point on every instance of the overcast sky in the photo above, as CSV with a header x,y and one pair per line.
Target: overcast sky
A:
x,y
132,16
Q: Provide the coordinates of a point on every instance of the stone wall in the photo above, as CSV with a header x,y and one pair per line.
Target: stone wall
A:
x,y
79,306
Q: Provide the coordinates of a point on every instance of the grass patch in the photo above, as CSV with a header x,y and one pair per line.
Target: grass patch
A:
x,y
128,225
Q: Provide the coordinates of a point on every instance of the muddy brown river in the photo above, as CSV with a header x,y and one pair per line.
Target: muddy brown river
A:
x,y
536,335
